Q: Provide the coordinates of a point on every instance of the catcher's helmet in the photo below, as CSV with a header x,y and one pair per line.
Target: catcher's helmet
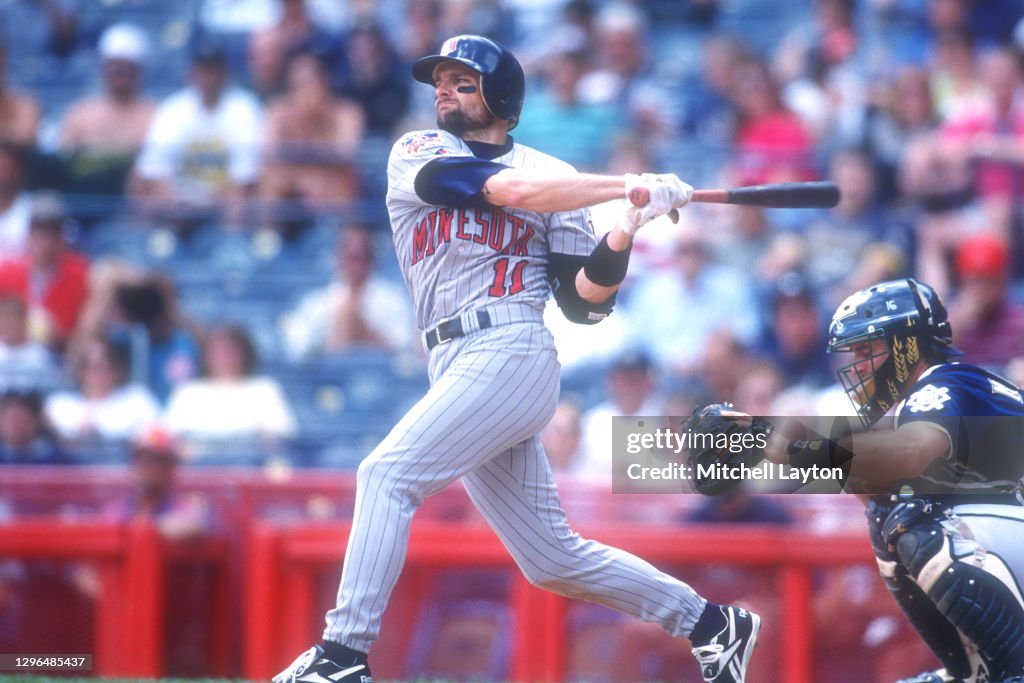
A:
x,y
911,317
502,82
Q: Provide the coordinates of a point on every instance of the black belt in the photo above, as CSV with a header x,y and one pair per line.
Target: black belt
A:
x,y
451,329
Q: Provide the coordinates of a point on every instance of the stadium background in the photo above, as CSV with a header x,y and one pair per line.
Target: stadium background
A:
x,y
720,92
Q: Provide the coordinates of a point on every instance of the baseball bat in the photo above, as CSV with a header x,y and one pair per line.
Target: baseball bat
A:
x,y
808,195
802,195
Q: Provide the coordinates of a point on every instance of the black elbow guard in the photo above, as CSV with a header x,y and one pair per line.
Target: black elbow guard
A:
x,y
583,312
562,271
606,267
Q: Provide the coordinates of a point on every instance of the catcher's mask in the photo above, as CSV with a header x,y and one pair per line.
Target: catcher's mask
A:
x,y
911,319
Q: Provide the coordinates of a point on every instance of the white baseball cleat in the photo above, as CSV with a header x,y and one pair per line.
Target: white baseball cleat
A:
x,y
724,658
313,667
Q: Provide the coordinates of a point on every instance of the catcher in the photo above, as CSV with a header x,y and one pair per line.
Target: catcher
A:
x,y
945,514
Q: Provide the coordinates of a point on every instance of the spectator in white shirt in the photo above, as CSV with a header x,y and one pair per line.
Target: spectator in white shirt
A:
x,y
203,147
229,401
706,297
105,407
357,310
631,387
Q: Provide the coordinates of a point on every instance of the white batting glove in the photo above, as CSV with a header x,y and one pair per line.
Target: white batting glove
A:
x,y
665,191
681,191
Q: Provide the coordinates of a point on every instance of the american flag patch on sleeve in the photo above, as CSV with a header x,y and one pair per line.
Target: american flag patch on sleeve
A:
x,y
424,142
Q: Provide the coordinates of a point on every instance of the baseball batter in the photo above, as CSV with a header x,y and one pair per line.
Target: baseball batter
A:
x,y
486,230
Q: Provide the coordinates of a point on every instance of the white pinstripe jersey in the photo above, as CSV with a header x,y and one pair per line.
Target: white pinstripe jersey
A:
x,y
458,259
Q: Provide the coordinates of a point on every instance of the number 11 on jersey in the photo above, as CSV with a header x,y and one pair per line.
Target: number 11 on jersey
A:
x,y
501,271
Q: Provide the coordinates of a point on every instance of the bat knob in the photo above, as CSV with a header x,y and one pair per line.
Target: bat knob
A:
x,y
639,196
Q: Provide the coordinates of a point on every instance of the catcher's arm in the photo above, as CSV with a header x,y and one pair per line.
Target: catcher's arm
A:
x,y
871,459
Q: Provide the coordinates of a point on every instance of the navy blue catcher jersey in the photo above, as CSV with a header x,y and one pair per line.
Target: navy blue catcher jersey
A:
x,y
982,414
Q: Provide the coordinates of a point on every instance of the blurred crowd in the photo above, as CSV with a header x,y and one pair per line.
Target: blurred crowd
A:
x,y
192,230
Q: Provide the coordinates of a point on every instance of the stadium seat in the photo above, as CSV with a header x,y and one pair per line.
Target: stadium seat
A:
x,y
99,452
210,305
232,452
346,404
154,248
341,447
360,385
584,384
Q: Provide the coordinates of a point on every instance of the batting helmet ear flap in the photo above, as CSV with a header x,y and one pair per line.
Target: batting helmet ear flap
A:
x,y
502,81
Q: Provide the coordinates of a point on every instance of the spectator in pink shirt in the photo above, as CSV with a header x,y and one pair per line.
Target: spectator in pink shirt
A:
x,y
771,143
990,136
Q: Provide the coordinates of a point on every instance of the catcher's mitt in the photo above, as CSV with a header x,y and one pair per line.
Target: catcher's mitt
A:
x,y
721,445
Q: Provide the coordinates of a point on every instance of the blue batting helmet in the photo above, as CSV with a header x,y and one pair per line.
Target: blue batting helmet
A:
x,y
502,82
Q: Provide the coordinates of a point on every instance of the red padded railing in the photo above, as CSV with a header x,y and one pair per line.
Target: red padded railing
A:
x,y
128,628
282,560
132,560
266,600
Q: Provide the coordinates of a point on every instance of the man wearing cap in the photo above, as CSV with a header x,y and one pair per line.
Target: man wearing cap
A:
x,y
52,279
630,390
102,133
793,338
203,145
988,324
155,457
